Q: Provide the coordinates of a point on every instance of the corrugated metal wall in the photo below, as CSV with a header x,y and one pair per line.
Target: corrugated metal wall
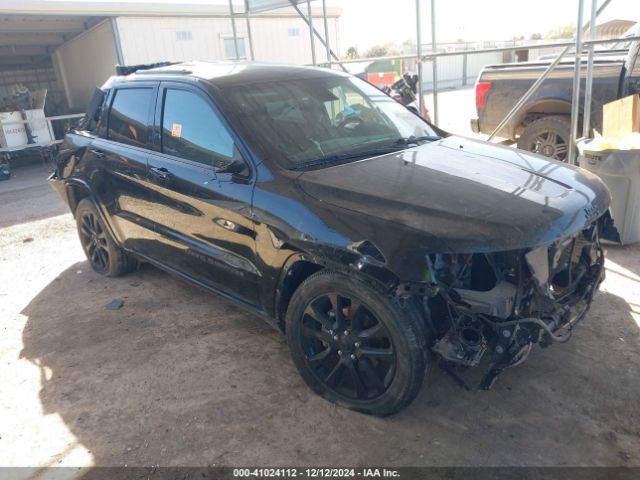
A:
x,y
275,39
452,70
86,62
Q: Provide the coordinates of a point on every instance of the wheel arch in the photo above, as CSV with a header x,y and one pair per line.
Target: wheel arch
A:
x,y
542,108
77,191
301,266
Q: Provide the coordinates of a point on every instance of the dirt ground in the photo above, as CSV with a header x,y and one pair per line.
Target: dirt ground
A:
x,y
180,377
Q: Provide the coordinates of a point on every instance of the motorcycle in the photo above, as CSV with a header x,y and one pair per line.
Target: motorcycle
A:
x,y
405,91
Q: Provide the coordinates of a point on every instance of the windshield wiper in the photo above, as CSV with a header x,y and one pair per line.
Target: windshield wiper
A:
x,y
344,157
413,140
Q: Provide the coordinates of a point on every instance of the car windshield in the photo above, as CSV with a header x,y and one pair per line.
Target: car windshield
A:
x,y
320,121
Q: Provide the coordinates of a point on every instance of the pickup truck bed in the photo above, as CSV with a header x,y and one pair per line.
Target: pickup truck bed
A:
x,y
543,124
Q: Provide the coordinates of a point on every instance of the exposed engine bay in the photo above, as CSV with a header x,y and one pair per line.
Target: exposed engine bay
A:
x,y
490,308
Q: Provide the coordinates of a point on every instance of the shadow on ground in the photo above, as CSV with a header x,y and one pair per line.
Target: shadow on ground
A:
x,y
179,377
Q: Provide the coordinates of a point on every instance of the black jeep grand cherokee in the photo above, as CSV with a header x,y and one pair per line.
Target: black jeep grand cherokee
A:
x,y
375,241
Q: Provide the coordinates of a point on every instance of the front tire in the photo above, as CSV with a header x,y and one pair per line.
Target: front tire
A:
x,y
355,345
105,257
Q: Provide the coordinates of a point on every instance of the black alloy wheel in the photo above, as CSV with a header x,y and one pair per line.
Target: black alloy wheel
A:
x,y
94,241
103,253
349,350
355,344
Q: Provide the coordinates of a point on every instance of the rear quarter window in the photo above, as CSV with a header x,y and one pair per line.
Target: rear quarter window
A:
x,y
129,116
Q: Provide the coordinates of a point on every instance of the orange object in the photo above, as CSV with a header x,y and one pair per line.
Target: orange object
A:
x,y
381,79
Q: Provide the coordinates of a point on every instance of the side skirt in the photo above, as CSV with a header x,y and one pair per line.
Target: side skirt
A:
x,y
230,298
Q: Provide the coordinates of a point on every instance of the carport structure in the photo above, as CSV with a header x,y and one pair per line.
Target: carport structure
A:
x,y
70,47
28,41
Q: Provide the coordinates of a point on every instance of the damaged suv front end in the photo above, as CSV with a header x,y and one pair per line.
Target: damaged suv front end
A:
x,y
500,248
488,309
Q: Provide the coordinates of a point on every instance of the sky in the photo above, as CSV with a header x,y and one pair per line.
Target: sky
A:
x,y
365,23
369,22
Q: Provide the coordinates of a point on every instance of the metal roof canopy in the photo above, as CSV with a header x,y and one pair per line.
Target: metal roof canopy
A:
x,y
254,6
31,30
27,41
261,6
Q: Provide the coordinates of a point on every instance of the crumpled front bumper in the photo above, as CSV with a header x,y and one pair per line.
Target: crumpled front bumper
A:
x,y
552,291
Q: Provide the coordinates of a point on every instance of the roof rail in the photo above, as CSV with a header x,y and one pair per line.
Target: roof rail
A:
x,y
181,71
129,69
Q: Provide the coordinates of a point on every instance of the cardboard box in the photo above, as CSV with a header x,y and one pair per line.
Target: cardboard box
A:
x,y
621,117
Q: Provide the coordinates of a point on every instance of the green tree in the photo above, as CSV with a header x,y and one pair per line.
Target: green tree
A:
x,y
381,51
535,36
352,53
565,31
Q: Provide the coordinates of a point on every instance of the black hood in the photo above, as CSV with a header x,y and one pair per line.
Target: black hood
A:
x,y
464,196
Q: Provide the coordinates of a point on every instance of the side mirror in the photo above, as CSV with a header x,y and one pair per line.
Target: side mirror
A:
x,y
236,167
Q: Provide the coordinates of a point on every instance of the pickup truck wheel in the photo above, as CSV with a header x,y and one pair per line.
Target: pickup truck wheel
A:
x,y
548,136
101,250
355,345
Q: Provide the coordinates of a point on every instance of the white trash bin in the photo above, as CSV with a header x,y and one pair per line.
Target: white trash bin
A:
x,y
620,171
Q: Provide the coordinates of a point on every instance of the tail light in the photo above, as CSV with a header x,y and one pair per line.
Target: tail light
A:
x,y
482,88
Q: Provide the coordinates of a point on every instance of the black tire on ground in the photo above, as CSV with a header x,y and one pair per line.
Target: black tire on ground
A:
x,y
101,250
355,345
548,136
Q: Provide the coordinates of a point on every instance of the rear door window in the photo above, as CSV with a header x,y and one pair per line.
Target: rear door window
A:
x,y
129,116
192,130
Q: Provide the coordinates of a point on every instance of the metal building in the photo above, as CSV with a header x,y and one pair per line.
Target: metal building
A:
x,y
69,47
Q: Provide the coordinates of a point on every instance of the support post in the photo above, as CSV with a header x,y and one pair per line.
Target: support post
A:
x,y
311,36
249,36
116,40
435,62
598,12
318,36
465,61
575,101
586,115
419,54
326,31
233,27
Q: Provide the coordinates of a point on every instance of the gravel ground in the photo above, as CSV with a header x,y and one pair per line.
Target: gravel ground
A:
x,y
180,377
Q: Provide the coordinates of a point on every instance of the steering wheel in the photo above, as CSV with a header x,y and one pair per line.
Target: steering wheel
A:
x,y
350,123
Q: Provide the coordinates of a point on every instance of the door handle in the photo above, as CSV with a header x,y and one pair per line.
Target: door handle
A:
x,y
160,172
97,153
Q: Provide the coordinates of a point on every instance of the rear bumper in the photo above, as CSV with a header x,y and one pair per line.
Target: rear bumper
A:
x,y
475,125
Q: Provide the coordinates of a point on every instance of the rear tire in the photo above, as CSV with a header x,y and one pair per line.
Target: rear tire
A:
x,y
356,345
104,255
548,136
